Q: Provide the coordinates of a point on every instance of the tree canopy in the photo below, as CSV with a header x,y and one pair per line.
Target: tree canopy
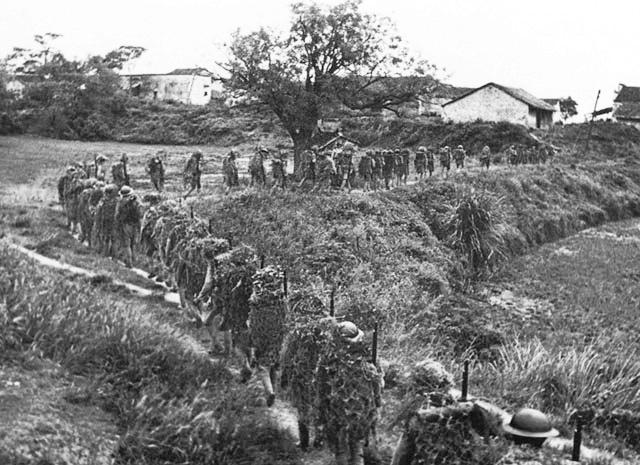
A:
x,y
568,108
330,57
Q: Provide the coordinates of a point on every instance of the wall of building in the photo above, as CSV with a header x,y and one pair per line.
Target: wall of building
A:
x,y
188,89
488,104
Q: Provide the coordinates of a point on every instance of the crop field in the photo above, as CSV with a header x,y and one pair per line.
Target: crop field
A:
x,y
549,323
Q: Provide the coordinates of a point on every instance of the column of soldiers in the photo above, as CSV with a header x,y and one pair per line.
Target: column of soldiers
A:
x,y
518,154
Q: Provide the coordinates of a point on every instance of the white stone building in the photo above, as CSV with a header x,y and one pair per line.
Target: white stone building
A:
x,y
193,86
494,102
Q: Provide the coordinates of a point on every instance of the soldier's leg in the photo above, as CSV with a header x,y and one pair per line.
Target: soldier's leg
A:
x,y
266,383
303,433
341,448
356,452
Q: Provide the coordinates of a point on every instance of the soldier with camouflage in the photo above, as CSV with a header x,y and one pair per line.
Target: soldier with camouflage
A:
x,y
512,155
308,166
89,200
63,181
326,172
485,157
155,168
365,169
389,167
128,218
430,161
101,169
267,324
105,220
192,173
279,170
119,172
256,168
445,159
73,186
300,355
349,392
378,169
459,155
230,171
420,162
345,165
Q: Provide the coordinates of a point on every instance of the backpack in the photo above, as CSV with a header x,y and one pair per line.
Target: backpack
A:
x,y
129,210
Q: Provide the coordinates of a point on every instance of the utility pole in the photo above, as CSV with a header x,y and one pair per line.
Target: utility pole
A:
x,y
593,117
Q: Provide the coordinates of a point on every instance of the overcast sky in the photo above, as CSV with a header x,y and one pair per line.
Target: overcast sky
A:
x,y
551,48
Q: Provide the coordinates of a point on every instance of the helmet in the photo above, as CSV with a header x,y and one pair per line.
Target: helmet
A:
x,y
197,154
396,151
460,146
99,185
350,332
126,191
111,189
100,158
71,169
529,423
262,149
348,147
422,149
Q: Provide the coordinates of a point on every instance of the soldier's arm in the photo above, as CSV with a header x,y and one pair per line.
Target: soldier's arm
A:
x,y
208,284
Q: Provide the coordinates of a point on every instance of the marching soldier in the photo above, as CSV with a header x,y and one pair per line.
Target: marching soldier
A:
x,y
445,159
307,159
63,182
230,171
89,200
420,162
192,173
155,168
101,169
256,167
279,170
459,155
398,166
430,161
128,218
389,167
512,155
326,171
365,169
119,172
104,220
345,165
378,169
485,157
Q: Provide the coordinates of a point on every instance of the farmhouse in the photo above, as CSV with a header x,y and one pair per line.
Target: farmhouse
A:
x,y
494,102
194,86
626,105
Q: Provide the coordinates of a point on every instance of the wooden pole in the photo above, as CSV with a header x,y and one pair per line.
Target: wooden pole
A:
x,y
465,382
332,310
593,117
285,283
577,441
374,345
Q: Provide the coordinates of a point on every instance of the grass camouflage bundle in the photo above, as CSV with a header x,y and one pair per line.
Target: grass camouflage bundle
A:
x,y
268,315
194,256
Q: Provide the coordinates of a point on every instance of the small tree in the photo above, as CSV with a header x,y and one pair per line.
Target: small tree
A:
x,y
568,108
329,57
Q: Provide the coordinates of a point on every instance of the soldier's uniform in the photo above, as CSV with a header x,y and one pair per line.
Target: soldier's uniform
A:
x,y
405,159
326,172
459,155
101,169
119,172
156,172
420,161
398,166
512,155
349,392
279,170
256,168
192,173
345,165
89,200
389,167
445,159
378,169
72,189
365,169
430,161
307,159
105,220
128,218
485,157
230,171
63,182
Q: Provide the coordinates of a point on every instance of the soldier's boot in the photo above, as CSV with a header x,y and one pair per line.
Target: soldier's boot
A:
x,y
342,449
356,452
266,383
303,433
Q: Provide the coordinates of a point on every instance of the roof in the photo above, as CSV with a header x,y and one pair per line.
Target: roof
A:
x,y
628,94
552,101
177,72
628,110
518,94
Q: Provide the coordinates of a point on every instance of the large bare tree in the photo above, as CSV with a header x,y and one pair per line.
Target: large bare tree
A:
x,y
329,57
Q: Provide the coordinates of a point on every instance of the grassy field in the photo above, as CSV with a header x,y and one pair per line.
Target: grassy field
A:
x,y
541,325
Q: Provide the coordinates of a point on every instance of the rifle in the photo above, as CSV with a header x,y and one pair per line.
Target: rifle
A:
x,y
124,168
374,345
332,311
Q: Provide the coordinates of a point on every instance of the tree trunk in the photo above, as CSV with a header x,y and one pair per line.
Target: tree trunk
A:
x,y
301,137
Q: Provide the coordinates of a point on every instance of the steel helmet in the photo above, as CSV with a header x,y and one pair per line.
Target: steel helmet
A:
x,y
460,146
126,191
111,189
529,423
350,331
422,149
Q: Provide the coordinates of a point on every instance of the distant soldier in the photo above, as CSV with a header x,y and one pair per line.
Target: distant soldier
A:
x,y
345,165
543,152
485,157
128,218
459,155
405,162
101,169
63,181
155,169
256,167
445,159
326,170
308,167
365,169
378,169
420,162
279,169
430,161
230,171
389,167
119,172
72,189
512,155
349,392
398,166
192,173
89,199
105,220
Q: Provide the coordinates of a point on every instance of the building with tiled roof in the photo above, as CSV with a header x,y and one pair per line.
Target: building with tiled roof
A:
x,y
495,102
626,105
